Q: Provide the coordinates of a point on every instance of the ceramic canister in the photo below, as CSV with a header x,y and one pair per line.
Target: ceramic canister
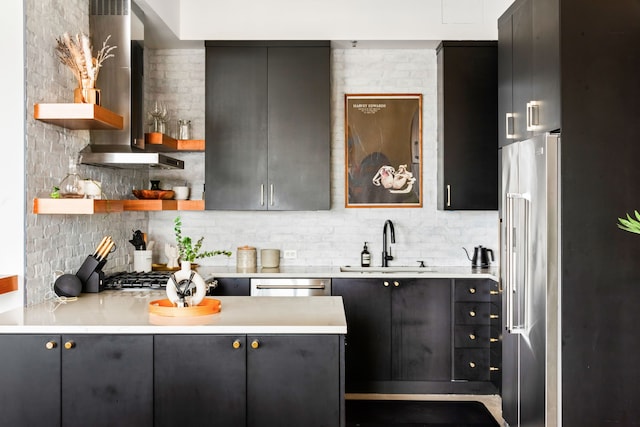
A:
x,y
246,258
270,258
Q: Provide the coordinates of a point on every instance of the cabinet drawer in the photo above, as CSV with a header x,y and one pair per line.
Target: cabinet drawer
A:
x,y
471,364
473,290
472,336
472,313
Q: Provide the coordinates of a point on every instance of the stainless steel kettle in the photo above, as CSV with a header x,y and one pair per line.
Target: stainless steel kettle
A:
x,y
480,257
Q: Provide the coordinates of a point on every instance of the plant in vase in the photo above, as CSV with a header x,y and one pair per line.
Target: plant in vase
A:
x,y
76,53
187,250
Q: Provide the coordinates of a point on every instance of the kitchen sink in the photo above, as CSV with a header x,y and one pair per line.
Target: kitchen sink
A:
x,y
391,269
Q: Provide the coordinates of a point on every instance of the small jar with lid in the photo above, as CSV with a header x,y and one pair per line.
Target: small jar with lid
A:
x,y
246,259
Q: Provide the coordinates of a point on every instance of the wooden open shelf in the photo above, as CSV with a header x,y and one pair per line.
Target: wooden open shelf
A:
x,y
8,284
150,205
162,142
190,205
76,206
93,206
78,116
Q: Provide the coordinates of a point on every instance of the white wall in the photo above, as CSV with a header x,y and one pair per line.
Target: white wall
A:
x,y
332,19
12,171
332,237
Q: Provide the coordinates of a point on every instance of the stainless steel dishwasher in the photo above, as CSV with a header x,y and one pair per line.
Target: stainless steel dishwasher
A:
x,y
288,287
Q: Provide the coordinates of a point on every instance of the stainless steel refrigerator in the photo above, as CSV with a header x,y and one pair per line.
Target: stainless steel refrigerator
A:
x,y
530,262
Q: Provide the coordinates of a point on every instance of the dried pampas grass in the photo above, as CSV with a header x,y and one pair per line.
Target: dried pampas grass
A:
x,y
75,53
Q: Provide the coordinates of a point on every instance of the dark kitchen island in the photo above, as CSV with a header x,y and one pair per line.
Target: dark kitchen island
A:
x,y
103,360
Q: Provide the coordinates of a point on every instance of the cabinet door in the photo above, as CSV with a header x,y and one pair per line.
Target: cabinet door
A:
x,y
299,128
30,380
367,306
294,380
546,64
467,130
236,128
522,68
199,379
107,380
421,329
505,81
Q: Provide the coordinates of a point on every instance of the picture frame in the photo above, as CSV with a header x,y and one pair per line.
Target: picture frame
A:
x,y
383,150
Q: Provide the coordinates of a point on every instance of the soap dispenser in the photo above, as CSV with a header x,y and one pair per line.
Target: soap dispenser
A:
x,y
365,257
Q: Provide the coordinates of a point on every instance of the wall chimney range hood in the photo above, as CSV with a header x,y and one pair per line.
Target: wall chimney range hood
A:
x,y
121,84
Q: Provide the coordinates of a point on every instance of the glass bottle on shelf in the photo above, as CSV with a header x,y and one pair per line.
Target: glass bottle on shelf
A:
x,y
71,185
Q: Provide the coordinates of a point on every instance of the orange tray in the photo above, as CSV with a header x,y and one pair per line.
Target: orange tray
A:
x,y
164,307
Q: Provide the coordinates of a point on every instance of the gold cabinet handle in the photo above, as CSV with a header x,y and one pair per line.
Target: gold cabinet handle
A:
x,y
472,313
472,336
50,345
494,316
472,364
255,344
493,292
493,340
396,284
472,290
236,344
69,344
386,284
493,368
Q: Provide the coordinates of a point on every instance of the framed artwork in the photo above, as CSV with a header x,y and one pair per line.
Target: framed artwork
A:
x,y
383,150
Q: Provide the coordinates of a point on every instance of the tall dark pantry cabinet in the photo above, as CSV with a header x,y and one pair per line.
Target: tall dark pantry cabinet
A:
x,y
573,66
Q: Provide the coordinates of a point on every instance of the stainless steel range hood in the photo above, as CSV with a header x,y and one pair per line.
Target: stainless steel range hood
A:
x,y
121,83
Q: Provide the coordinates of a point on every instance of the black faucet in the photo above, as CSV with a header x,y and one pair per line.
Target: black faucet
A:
x,y
387,256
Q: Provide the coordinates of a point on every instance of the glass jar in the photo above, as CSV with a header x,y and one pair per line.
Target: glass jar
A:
x,y
71,186
184,129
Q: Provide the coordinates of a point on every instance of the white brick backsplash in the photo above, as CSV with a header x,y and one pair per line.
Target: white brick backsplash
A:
x,y
61,242
335,237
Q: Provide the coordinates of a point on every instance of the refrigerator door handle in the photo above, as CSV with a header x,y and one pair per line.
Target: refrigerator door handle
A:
x,y
512,288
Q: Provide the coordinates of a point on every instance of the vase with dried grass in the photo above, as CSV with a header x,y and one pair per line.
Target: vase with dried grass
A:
x,y
76,53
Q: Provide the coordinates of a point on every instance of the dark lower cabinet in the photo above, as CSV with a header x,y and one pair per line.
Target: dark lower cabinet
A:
x,y
476,338
420,335
107,380
200,380
294,380
257,381
30,380
76,380
172,380
399,332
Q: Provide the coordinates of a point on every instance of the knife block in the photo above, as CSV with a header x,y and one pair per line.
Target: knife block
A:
x,y
91,275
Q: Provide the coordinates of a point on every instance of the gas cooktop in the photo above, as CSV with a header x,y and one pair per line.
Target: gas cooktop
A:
x,y
151,280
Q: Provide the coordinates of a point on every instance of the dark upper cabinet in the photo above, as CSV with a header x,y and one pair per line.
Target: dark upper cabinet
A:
x,y
467,125
267,124
529,74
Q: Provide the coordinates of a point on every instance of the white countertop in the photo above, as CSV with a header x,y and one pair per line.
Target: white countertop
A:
x,y
126,312
334,272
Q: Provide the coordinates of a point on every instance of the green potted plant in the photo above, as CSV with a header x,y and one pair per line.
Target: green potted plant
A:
x,y
630,224
187,250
